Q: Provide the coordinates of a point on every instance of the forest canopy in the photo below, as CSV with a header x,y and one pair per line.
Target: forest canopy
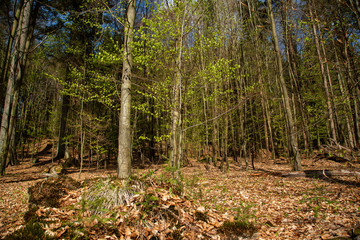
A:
x,y
163,81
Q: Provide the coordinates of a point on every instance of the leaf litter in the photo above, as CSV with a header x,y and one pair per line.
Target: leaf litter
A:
x,y
269,206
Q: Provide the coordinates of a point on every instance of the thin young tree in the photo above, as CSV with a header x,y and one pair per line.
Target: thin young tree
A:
x,y
291,128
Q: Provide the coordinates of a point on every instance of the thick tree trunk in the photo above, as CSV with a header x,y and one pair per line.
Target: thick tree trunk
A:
x,y
124,154
17,64
7,57
18,82
292,133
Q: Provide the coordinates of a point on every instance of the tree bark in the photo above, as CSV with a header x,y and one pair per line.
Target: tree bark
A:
x,y
124,154
17,64
293,59
323,74
175,138
349,138
292,133
62,131
322,173
7,57
353,92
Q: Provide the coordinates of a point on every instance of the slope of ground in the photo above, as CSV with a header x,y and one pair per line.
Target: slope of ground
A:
x,y
280,208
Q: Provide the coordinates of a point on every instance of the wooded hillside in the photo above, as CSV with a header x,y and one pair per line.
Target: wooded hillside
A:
x,y
138,83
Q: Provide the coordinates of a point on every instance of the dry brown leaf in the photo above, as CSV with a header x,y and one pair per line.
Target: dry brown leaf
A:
x,y
59,234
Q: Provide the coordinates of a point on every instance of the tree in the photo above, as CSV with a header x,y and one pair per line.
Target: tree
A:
x,y
125,139
291,128
17,67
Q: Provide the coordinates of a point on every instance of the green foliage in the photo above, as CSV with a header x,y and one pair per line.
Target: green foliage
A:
x,y
316,200
245,211
150,203
244,222
174,185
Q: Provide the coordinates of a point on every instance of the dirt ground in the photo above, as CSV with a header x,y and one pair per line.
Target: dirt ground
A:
x,y
281,207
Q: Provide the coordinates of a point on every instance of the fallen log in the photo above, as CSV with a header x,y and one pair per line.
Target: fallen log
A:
x,y
331,157
321,173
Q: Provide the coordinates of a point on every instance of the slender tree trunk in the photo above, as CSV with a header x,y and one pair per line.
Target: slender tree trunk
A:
x,y
61,147
124,154
292,133
205,107
355,7
82,138
331,91
175,138
350,139
354,96
215,138
292,55
323,74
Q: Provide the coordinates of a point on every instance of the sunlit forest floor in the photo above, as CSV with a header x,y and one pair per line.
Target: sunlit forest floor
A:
x,y
278,207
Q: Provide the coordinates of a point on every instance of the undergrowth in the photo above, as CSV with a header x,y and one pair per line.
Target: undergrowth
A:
x,y
106,194
244,224
32,230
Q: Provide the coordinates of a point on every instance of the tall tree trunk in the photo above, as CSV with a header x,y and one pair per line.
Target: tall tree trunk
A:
x,y
291,128
292,55
61,147
353,91
124,154
215,138
17,63
7,57
324,77
175,138
19,80
349,138
205,107
82,137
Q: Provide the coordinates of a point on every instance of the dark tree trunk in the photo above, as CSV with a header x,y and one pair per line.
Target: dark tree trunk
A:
x,y
62,131
16,68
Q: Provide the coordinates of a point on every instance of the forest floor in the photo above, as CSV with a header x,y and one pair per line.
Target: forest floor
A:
x,y
279,207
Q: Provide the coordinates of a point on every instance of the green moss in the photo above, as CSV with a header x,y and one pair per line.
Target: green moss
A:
x,y
32,231
238,228
30,215
201,216
176,235
150,203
